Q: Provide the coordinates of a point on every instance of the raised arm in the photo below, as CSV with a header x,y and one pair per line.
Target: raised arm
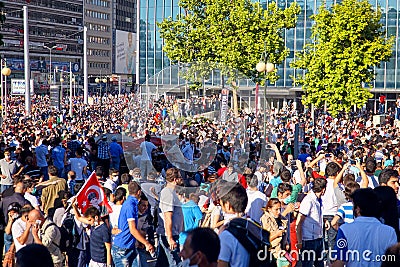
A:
x,y
277,153
364,177
316,160
303,181
339,177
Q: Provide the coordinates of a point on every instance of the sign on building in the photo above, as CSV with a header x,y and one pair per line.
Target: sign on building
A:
x,y
18,87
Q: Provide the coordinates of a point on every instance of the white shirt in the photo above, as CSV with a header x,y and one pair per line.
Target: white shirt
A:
x,y
329,202
17,229
115,215
313,223
32,199
256,201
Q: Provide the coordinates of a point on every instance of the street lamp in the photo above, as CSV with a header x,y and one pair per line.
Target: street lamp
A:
x,y
50,49
265,67
61,90
5,71
105,81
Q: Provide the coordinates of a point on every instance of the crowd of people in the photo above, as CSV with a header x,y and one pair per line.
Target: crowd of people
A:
x,y
321,188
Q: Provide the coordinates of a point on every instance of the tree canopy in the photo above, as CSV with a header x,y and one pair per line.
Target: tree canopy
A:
x,y
228,34
348,41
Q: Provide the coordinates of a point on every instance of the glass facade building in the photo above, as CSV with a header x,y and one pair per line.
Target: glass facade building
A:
x,y
153,60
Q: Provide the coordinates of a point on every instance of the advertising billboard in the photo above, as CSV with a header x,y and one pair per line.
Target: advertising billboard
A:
x,y
125,52
18,87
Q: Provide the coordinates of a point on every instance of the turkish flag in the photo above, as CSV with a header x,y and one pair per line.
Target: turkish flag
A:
x,y
92,194
157,118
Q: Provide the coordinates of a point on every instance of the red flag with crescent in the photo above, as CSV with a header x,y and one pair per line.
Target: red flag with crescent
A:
x,y
92,194
157,118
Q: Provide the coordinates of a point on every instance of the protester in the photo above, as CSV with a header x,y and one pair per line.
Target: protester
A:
x,y
365,233
171,219
46,233
51,195
350,138
124,245
233,199
310,225
9,169
201,248
34,255
21,229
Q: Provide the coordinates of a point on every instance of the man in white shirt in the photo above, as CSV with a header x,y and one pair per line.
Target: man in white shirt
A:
x,y
256,201
309,226
329,203
21,229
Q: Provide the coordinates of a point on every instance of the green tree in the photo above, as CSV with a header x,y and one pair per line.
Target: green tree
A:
x,y
348,42
230,35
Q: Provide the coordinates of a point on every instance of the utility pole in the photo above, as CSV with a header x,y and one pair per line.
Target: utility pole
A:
x,y
26,63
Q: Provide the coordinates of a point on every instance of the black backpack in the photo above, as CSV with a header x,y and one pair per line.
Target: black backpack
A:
x,y
69,234
254,239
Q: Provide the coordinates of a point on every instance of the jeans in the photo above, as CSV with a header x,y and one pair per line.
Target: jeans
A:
x,y
123,257
141,259
78,258
311,253
381,108
60,172
4,187
105,163
8,240
330,234
167,257
115,162
397,115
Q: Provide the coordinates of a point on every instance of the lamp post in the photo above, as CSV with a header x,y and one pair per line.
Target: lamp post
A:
x,y
50,49
97,81
265,67
105,81
61,90
5,71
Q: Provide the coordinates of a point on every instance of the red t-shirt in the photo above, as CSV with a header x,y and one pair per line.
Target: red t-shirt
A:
x,y
242,180
221,171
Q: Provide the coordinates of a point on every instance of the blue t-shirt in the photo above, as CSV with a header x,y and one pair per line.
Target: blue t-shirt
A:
x,y
116,150
276,181
192,216
129,211
98,236
58,155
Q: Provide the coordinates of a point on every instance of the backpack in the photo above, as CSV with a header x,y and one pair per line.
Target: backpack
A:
x,y
254,239
69,234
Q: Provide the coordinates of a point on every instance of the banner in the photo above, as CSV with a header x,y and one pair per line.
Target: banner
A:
x,y
18,87
224,104
92,194
125,52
